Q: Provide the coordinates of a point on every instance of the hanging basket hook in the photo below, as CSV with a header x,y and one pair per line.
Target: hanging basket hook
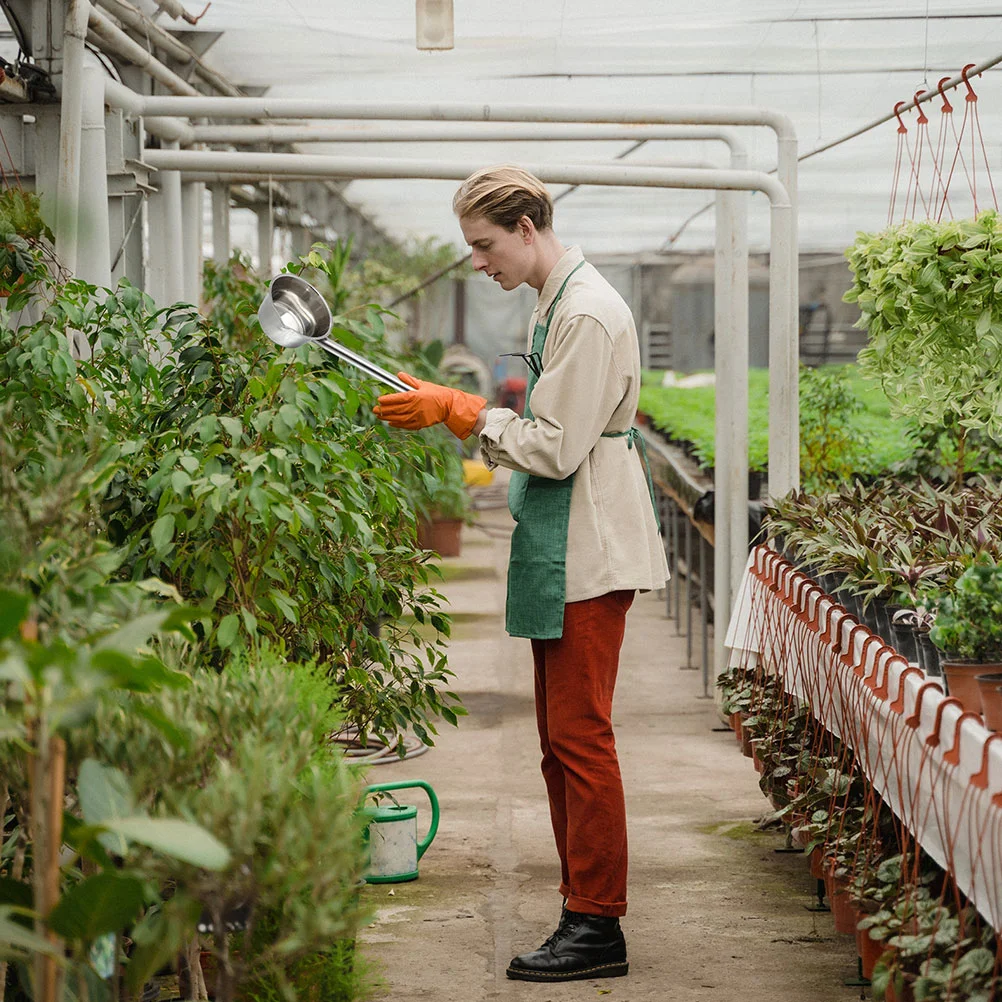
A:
x,y
897,115
947,107
923,119
971,96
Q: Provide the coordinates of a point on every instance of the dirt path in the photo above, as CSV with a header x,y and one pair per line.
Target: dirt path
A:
x,y
715,913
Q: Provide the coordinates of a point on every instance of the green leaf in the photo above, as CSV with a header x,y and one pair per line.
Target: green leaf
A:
x,y
187,842
105,794
104,902
227,632
162,534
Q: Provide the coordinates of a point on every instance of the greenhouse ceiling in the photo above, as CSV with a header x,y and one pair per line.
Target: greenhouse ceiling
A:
x,y
832,67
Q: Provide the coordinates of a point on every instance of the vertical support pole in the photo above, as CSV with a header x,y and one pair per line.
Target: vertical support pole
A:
x,y
676,549
191,236
688,589
784,348
731,364
220,223
704,611
265,239
173,242
93,230
71,121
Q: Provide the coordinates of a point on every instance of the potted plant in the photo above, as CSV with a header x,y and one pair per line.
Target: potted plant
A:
x,y
968,627
442,511
927,292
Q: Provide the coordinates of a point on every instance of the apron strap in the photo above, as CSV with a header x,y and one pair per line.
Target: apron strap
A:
x,y
632,435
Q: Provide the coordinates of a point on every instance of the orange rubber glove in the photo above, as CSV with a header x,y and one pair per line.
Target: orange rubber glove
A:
x,y
428,404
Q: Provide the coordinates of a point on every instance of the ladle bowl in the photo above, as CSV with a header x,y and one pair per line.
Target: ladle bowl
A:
x,y
293,313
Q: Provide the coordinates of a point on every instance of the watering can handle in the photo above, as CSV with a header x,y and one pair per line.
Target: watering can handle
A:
x,y
409,784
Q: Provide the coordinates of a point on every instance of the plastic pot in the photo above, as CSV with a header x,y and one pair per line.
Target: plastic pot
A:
x,y
961,681
990,691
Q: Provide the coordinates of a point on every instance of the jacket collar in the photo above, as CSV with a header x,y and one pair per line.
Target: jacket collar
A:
x,y
567,263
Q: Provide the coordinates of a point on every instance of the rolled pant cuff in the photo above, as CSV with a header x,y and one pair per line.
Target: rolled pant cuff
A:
x,y
611,909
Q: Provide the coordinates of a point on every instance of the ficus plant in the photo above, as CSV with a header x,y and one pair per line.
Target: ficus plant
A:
x,y
928,293
257,484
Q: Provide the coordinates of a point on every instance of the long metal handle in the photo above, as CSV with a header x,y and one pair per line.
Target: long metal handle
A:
x,y
369,368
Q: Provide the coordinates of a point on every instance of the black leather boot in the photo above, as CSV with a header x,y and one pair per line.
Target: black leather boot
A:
x,y
583,946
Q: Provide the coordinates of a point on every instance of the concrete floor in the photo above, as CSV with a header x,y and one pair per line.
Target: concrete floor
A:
x,y
714,912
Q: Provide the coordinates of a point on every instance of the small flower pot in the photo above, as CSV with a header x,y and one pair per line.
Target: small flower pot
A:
x,y
818,863
746,742
990,690
961,684
870,951
756,761
441,535
843,912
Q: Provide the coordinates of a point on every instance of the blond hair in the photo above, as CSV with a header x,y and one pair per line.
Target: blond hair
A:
x,y
503,195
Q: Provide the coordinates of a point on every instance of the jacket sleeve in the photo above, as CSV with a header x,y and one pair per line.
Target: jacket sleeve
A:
x,y
576,395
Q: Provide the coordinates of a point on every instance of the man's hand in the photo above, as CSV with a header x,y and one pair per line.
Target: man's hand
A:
x,y
428,404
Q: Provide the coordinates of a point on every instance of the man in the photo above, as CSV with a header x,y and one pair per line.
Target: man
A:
x,y
586,539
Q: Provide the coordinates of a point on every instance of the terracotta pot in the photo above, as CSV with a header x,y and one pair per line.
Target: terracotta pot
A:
x,y
990,690
842,910
870,951
960,681
756,761
746,742
735,721
817,863
441,535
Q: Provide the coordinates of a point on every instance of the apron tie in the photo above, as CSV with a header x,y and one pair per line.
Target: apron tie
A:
x,y
632,435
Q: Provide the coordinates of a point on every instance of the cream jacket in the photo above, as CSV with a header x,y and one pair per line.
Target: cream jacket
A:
x,y
590,384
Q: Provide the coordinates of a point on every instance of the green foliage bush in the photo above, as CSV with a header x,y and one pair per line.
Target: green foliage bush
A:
x,y
969,616
256,483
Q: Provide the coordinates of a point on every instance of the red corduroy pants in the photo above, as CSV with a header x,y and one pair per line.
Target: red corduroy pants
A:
x,y
575,679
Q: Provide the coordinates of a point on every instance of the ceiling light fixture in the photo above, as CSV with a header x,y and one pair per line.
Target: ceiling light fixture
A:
x,y
434,24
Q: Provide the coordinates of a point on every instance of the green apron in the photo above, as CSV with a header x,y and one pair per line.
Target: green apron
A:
x,y
541,507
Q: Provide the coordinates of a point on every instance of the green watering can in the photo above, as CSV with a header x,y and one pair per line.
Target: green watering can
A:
x,y
391,832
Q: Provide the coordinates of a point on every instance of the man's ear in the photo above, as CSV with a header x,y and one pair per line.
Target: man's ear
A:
x,y
526,229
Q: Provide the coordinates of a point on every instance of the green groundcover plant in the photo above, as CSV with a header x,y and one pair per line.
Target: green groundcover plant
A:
x,y
845,423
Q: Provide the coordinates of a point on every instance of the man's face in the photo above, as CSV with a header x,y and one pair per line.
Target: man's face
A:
x,y
505,257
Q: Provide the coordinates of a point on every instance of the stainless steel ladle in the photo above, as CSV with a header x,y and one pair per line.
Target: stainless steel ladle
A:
x,y
293,313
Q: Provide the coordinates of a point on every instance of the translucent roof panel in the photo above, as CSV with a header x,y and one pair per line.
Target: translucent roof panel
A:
x,y
832,67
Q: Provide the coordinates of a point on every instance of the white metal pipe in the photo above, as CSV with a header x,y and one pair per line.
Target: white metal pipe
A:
x,y
119,96
71,121
282,164
191,235
784,347
730,515
448,132
220,220
93,227
112,38
271,107
170,191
